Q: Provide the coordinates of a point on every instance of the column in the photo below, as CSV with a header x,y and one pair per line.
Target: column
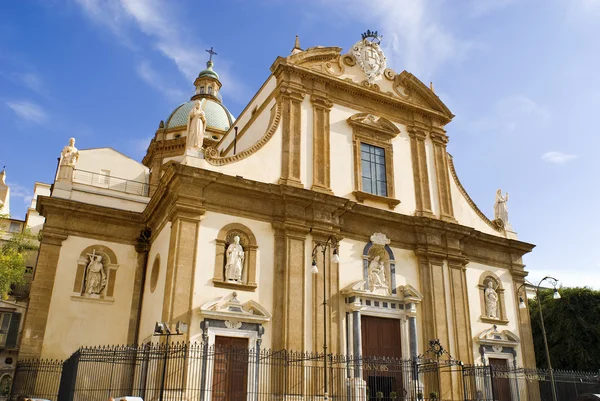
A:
x,y
420,174
291,100
321,137
34,326
440,140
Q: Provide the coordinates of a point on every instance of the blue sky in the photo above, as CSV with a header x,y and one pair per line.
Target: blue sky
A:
x,y
521,76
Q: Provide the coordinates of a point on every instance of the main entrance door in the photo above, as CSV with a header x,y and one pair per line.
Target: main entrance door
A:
x,y
501,383
382,354
230,375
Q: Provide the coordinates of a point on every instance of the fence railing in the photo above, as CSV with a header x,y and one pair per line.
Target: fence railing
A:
x,y
198,372
109,182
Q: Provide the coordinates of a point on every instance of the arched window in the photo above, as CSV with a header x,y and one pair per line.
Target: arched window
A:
x,y
491,293
235,259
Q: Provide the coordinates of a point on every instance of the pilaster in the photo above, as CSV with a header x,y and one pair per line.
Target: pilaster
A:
x,y
440,140
34,327
321,139
288,321
463,337
420,174
291,95
181,264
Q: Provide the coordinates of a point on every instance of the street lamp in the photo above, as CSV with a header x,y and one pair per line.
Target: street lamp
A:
x,y
522,305
323,246
161,329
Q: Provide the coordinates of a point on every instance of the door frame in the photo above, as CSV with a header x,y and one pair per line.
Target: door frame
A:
x,y
252,337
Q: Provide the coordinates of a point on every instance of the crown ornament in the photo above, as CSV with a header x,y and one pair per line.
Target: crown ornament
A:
x,y
373,35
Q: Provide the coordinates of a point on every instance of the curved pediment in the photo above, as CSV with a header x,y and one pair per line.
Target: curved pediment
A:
x,y
346,67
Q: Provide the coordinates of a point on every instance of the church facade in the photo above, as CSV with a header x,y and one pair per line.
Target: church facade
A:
x,y
234,226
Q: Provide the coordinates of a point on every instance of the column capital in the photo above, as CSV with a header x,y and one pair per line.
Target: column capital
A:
x,y
321,101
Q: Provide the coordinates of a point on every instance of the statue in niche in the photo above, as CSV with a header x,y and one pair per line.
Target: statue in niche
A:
x,y
195,127
68,158
491,301
235,261
377,278
500,207
95,277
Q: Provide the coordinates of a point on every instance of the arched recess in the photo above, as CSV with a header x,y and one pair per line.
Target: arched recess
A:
x,y
378,246
485,279
106,274
248,242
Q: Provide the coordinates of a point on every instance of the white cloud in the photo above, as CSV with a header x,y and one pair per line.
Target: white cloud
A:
x,y
482,7
153,79
415,37
156,19
558,157
17,191
28,111
511,114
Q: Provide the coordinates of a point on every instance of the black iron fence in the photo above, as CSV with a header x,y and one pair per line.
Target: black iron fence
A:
x,y
207,373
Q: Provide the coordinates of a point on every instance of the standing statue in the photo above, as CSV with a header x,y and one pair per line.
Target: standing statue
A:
x,y
235,261
95,278
377,274
68,159
195,127
491,301
500,207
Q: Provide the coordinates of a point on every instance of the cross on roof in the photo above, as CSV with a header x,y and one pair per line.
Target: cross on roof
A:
x,y
211,52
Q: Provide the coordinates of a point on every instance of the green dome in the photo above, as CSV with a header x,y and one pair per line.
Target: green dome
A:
x,y
209,72
217,115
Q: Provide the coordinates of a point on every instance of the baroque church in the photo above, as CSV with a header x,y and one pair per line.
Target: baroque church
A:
x,y
332,187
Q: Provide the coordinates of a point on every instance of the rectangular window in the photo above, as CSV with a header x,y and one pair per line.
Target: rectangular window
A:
x,y
372,160
14,227
210,90
104,177
4,326
202,90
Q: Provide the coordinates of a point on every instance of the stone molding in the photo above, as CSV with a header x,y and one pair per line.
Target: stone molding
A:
x,y
212,154
468,198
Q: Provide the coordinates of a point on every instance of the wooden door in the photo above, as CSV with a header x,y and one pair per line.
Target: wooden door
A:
x,y
230,374
501,382
382,354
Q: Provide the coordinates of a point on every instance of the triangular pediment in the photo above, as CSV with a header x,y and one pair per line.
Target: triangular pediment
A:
x,y
493,337
230,308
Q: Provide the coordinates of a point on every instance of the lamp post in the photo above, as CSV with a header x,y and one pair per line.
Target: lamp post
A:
x,y
323,246
522,305
161,329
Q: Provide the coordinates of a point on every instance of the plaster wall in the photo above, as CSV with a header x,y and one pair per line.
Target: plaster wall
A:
x,y
153,301
262,166
251,136
74,321
254,132
205,291
119,165
103,197
464,213
34,221
474,272
343,169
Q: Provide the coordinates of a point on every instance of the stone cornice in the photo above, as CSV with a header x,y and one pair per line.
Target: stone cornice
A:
x,y
66,217
299,209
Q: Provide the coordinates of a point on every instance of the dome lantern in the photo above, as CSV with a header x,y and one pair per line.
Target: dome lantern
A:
x,y
207,84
